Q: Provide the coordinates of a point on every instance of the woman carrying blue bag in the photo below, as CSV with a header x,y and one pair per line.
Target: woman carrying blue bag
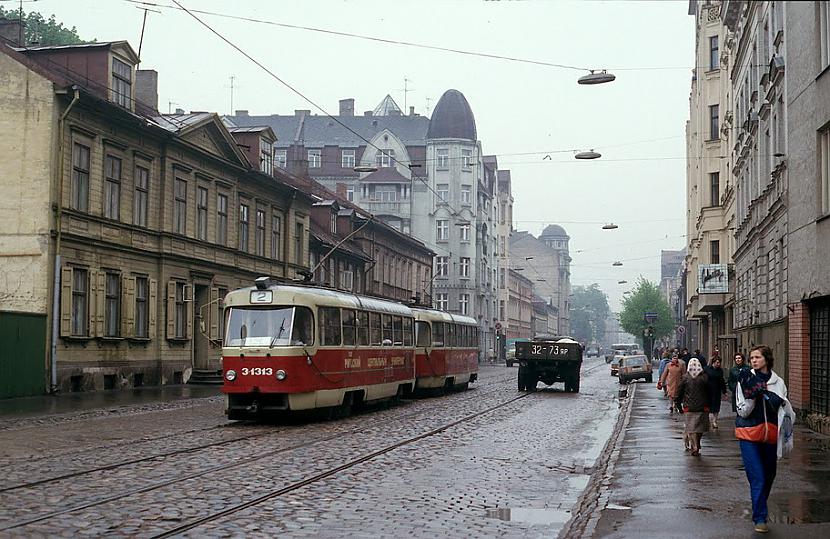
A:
x,y
764,426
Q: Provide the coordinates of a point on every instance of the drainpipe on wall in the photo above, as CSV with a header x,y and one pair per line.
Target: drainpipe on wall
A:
x,y
56,302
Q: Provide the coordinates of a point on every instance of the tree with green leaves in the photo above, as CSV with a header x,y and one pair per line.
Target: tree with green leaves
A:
x,y
644,299
589,310
42,31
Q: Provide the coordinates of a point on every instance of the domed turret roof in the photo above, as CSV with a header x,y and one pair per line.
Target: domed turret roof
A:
x,y
452,118
553,230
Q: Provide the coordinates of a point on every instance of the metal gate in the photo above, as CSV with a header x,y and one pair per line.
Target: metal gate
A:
x,y
820,357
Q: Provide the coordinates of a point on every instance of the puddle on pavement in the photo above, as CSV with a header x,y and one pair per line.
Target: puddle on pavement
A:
x,y
799,510
530,516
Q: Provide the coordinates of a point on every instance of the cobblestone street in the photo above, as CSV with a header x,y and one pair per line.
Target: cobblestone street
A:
x,y
486,462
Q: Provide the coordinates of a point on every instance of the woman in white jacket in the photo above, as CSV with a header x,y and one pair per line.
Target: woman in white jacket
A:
x,y
764,428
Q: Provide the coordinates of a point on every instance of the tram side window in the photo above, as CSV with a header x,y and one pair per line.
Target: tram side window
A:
x,y
437,334
387,329
465,340
449,338
397,331
302,333
349,327
423,334
362,328
330,326
407,332
374,329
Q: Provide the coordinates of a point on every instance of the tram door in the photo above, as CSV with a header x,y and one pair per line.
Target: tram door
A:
x,y
201,345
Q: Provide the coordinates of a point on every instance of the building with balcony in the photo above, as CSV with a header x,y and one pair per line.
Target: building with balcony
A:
x,y
757,147
709,185
504,229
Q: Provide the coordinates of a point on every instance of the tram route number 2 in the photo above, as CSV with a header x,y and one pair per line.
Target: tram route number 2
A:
x,y
257,371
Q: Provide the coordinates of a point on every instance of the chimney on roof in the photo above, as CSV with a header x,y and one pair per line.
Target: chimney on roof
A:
x,y
12,30
301,113
241,113
347,107
179,111
411,110
147,87
368,113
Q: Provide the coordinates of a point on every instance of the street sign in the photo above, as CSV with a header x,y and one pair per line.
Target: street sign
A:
x,y
498,325
680,329
651,317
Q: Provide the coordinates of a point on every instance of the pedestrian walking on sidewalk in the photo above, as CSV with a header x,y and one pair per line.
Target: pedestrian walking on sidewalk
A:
x,y
670,379
717,389
734,372
693,392
763,427
662,368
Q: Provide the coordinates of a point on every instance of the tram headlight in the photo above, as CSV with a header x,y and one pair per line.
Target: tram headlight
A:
x,y
230,375
281,374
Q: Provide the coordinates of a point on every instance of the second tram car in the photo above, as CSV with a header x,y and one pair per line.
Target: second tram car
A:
x,y
289,347
446,352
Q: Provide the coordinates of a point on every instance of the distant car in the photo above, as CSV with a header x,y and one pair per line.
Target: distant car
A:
x,y
634,368
592,351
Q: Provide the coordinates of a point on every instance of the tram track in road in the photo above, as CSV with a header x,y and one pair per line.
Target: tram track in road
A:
x,y
328,473
469,395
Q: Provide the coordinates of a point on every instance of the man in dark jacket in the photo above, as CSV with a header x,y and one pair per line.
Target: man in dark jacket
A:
x,y
734,375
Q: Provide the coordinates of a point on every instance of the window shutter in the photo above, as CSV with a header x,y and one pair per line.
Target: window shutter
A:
x,y
213,312
66,301
153,308
101,300
189,306
171,309
128,306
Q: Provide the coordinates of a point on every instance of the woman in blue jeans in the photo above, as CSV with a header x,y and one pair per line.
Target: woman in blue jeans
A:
x,y
763,409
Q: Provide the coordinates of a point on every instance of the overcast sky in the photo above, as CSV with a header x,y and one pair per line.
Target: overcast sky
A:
x,y
636,122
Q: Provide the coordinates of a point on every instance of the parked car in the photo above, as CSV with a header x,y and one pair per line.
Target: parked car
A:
x,y
634,368
510,352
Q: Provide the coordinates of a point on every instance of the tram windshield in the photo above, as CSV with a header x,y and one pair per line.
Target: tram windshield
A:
x,y
255,326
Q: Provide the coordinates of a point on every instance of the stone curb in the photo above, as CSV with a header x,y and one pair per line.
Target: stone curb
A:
x,y
594,498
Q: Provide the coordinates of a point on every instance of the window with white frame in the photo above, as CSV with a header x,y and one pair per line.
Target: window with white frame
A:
x,y
464,267
347,278
466,159
441,266
385,193
266,156
442,158
464,303
714,54
466,194
281,158
824,151
384,158
314,158
347,159
441,301
464,230
122,83
442,230
442,191
350,193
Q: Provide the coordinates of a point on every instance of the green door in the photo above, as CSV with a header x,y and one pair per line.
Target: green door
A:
x,y
22,354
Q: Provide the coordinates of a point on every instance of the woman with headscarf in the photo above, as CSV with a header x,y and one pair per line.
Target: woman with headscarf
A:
x,y
717,388
693,392
670,379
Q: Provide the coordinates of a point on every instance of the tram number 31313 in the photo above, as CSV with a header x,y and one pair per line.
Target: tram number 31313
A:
x,y
257,371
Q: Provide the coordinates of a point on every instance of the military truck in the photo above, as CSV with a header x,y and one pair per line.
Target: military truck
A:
x,y
549,360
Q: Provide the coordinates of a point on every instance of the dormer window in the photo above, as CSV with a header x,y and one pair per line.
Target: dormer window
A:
x,y
122,83
266,156
333,223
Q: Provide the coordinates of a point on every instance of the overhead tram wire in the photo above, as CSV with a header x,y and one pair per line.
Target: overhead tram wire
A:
x,y
417,45
307,99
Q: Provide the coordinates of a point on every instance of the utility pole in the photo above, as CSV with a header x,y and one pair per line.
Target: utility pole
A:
x,y
231,111
143,25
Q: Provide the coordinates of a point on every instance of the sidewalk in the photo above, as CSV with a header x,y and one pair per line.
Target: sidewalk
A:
x,y
25,407
658,490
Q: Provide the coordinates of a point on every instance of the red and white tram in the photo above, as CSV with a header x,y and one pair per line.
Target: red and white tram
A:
x,y
289,347
446,352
